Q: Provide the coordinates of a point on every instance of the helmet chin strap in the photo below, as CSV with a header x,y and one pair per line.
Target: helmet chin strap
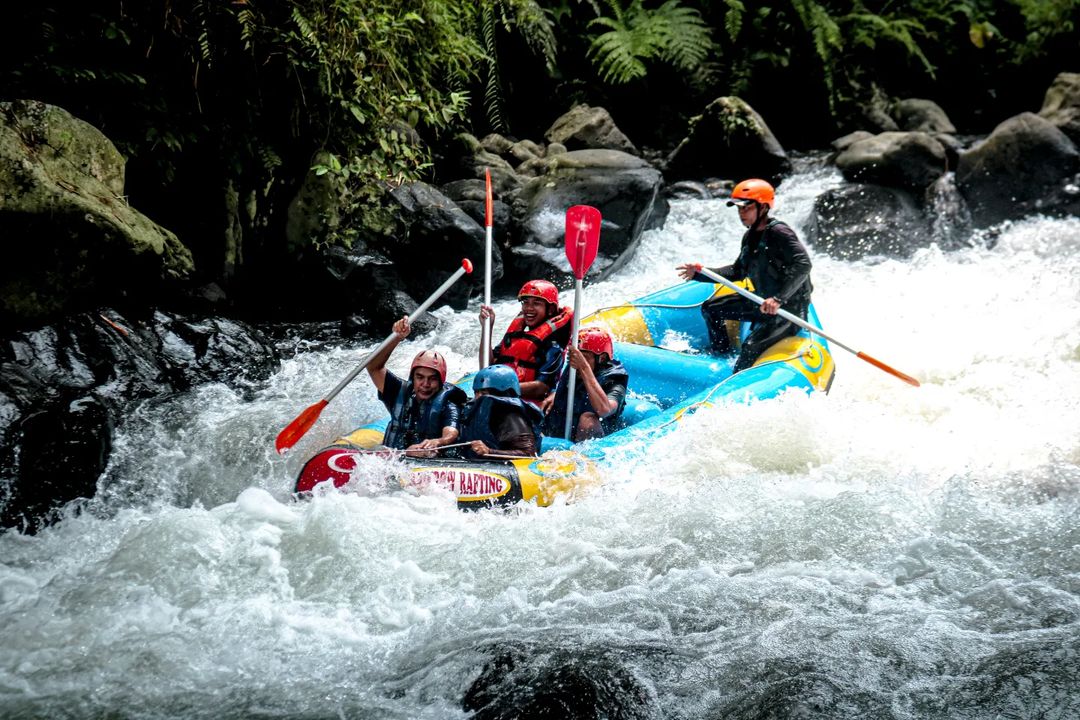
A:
x,y
760,213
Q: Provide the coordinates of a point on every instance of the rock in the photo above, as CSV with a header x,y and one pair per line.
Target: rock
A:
x,y
729,139
469,195
61,203
916,115
1026,165
584,128
521,683
1061,105
63,387
857,221
440,234
624,188
841,144
496,144
315,212
910,160
688,189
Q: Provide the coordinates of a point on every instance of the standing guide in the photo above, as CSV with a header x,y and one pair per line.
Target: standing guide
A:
x,y
776,263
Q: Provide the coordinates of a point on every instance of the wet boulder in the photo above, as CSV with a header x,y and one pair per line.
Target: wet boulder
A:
x,y
1061,106
521,683
65,386
1026,165
62,204
907,160
439,235
589,128
728,139
863,220
918,115
625,189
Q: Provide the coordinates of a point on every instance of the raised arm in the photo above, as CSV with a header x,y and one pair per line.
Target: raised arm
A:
x,y
377,367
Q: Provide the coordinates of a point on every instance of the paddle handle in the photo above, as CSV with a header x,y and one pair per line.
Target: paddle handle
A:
x,y
466,267
806,326
485,331
572,380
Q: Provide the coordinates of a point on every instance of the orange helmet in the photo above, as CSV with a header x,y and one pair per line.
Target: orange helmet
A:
x,y
431,360
596,340
541,289
753,190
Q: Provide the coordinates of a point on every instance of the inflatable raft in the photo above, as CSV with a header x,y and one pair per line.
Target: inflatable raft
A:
x,y
662,341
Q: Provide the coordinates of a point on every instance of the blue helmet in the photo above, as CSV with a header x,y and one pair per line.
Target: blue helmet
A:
x,y
498,378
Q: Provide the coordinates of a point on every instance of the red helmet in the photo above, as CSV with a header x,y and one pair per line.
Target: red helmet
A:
x,y
596,340
431,360
754,190
541,289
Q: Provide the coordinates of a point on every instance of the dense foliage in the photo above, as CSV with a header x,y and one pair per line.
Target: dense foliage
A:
x,y
223,107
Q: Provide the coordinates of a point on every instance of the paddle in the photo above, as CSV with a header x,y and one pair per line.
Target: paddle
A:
x,y
582,241
806,326
303,422
485,337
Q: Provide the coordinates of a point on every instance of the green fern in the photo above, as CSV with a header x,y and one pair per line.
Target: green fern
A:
x,y
636,35
492,89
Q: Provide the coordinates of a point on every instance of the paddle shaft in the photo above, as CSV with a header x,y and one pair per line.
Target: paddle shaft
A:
x,y
807,326
390,338
573,371
485,332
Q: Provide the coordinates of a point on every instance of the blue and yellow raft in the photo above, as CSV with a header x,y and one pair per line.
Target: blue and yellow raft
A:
x,y
662,340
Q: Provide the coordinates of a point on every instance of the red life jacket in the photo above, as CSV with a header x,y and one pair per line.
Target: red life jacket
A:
x,y
520,347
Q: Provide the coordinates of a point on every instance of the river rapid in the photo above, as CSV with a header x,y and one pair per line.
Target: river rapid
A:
x,y
881,551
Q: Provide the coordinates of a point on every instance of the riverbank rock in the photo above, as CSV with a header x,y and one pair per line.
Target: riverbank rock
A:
x,y
1061,105
918,115
65,386
439,235
79,244
625,189
1027,165
589,128
856,221
730,140
907,160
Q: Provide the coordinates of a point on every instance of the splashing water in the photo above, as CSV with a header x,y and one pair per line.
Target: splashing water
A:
x,y
878,552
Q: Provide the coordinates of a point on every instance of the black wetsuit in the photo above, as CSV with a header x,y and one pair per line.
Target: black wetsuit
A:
x,y
778,265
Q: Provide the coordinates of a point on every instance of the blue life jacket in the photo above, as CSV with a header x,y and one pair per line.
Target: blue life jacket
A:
x,y
476,422
400,433
613,373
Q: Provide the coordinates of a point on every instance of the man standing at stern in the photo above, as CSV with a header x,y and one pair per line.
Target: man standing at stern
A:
x,y
778,267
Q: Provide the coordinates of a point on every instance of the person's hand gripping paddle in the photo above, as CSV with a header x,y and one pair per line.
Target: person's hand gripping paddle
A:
x,y
582,242
303,422
806,326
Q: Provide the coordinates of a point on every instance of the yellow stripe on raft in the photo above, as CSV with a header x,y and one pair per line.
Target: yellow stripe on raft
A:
x,y
556,472
805,355
364,438
625,323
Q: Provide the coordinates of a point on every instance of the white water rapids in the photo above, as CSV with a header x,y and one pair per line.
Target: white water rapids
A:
x,y
882,551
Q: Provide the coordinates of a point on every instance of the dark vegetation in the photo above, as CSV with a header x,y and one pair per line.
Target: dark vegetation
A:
x,y
222,106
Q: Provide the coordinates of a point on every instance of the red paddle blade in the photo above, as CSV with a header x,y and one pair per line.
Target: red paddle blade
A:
x,y
582,238
296,429
488,209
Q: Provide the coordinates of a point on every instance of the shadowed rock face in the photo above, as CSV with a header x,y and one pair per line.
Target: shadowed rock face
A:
x,y
1027,165
64,387
856,221
61,199
521,683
